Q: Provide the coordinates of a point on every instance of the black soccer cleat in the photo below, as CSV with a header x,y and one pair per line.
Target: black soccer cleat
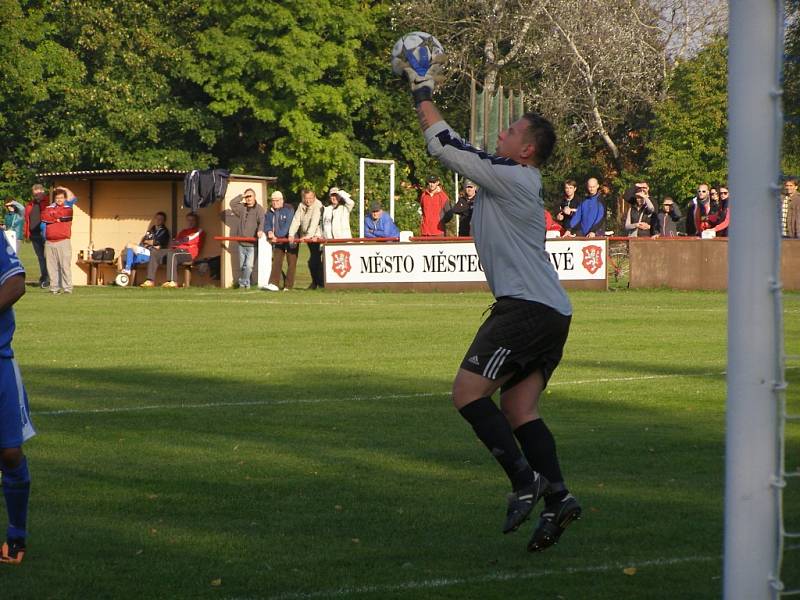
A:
x,y
521,502
553,520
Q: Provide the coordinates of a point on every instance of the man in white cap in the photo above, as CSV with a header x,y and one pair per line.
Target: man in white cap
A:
x,y
276,225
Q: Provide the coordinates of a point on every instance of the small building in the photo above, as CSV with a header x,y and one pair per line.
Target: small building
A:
x,y
116,207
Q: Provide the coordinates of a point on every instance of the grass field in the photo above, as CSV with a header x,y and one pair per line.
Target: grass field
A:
x,y
227,444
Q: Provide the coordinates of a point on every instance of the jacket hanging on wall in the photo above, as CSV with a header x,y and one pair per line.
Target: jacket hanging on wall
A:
x,y
203,188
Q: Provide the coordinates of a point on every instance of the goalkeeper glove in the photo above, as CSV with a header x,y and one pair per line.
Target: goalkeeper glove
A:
x,y
422,74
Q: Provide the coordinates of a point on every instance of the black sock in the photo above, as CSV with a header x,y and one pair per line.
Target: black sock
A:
x,y
539,447
494,431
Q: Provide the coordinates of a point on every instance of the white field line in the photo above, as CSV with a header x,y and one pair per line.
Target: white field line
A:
x,y
146,407
431,584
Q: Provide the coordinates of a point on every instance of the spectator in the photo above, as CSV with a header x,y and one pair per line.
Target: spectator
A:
x,y
569,202
56,224
665,222
706,212
276,225
463,208
721,229
793,219
691,210
33,229
378,224
251,225
790,196
550,224
155,238
639,186
590,217
307,224
713,194
336,216
436,209
184,249
14,220
791,204
639,216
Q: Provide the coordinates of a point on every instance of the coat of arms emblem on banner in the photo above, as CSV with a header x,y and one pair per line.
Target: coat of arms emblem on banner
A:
x,y
592,258
341,263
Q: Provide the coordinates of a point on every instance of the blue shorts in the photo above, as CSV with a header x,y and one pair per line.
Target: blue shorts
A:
x,y
15,417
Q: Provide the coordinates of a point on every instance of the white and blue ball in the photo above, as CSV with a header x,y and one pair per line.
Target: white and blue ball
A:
x,y
416,49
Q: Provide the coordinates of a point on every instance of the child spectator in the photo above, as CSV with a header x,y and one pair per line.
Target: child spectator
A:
x,y
665,222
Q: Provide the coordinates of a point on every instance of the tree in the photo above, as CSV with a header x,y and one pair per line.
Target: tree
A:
x,y
32,68
286,79
130,106
689,140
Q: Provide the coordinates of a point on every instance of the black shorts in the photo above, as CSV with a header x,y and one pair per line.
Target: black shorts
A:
x,y
520,337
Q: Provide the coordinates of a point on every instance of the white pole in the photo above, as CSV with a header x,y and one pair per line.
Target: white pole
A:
x,y
391,190
751,499
455,199
361,162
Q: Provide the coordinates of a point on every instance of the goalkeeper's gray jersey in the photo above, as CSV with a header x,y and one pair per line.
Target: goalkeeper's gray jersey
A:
x,y
507,220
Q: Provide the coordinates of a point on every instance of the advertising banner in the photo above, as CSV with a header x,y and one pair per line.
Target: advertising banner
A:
x,y
449,262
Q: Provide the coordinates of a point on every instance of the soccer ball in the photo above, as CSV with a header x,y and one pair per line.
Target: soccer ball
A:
x,y
416,49
122,279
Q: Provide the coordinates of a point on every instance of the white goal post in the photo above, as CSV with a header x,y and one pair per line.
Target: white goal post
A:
x,y
362,163
753,471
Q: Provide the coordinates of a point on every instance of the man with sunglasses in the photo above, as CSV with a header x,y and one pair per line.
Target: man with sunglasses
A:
x,y
721,229
702,196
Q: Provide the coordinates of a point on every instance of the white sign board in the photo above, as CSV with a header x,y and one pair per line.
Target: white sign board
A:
x,y
426,262
264,261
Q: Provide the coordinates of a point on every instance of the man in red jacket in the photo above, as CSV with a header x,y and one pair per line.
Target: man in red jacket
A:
x,y
184,248
57,227
33,229
436,209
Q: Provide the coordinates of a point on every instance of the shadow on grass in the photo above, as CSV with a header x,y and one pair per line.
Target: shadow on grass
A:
x,y
169,499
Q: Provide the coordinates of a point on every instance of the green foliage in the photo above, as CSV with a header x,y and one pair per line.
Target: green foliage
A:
x,y
688,143
286,79
791,92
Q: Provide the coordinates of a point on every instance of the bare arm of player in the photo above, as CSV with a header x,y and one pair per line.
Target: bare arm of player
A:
x,y
12,290
428,114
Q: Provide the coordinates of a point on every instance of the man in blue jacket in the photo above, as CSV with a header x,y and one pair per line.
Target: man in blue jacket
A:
x,y
276,225
378,224
589,219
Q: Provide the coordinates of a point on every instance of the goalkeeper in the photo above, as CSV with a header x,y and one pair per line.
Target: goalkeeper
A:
x,y
520,344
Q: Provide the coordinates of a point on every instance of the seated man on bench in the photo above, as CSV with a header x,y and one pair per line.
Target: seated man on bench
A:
x,y
156,238
184,249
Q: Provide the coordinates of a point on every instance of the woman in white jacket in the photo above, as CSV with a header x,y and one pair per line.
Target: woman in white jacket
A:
x,y
336,216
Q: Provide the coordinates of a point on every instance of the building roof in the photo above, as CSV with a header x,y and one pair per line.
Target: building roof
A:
x,y
162,174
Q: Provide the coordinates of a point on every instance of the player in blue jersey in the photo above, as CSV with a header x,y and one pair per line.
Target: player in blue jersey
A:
x,y
15,421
